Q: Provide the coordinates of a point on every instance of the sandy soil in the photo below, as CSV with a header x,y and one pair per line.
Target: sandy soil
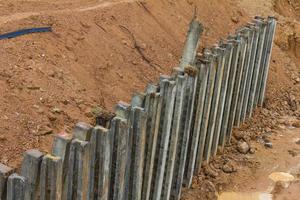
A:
x,y
91,60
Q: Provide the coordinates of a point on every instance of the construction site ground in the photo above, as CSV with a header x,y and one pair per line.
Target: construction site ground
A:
x,y
102,51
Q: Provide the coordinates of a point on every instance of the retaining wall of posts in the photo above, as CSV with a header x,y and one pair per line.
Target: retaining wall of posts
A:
x,y
156,144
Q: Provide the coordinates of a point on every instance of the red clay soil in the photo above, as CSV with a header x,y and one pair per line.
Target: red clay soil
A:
x,y
101,52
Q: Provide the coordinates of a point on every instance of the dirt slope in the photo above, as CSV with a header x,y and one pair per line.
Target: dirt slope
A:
x,y
100,52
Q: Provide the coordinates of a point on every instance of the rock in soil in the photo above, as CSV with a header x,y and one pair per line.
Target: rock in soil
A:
x,y
229,168
243,147
269,145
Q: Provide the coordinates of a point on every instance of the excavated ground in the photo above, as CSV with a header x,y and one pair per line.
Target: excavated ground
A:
x,y
101,51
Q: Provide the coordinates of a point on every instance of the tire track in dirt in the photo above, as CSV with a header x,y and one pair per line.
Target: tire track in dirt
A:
x,y
99,5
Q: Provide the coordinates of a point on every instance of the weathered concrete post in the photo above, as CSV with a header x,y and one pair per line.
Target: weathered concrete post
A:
x,y
212,67
51,178
61,148
31,171
78,170
181,81
192,115
246,34
138,131
119,131
123,110
82,131
271,34
100,163
231,82
255,33
167,90
224,87
262,62
153,108
191,44
237,83
262,31
5,171
16,186
215,102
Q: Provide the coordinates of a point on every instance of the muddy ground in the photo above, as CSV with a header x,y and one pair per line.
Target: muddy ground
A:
x,y
101,51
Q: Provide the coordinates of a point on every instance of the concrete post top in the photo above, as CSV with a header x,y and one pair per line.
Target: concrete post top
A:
x,y
119,119
82,126
259,23
80,143
273,18
34,153
138,109
17,176
100,128
151,88
52,157
65,137
218,51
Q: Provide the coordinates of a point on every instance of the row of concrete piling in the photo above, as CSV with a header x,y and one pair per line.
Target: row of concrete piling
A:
x,y
156,144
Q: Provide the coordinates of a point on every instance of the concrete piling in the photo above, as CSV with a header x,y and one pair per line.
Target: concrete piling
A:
x,y
215,101
78,170
5,172
153,108
266,64
119,132
30,170
138,118
51,178
100,161
212,68
167,90
191,44
61,148
230,89
262,31
16,186
224,85
255,32
82,131
181,82
248,37
237,83
191,134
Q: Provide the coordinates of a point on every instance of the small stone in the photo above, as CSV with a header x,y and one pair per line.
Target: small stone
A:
x,y
56,110
269,145
243,147
52,117
65,102
252,150
235,19
228,168
209,172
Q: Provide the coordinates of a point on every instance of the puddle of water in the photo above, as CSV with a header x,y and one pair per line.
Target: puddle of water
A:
x,y
282,177
245,196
